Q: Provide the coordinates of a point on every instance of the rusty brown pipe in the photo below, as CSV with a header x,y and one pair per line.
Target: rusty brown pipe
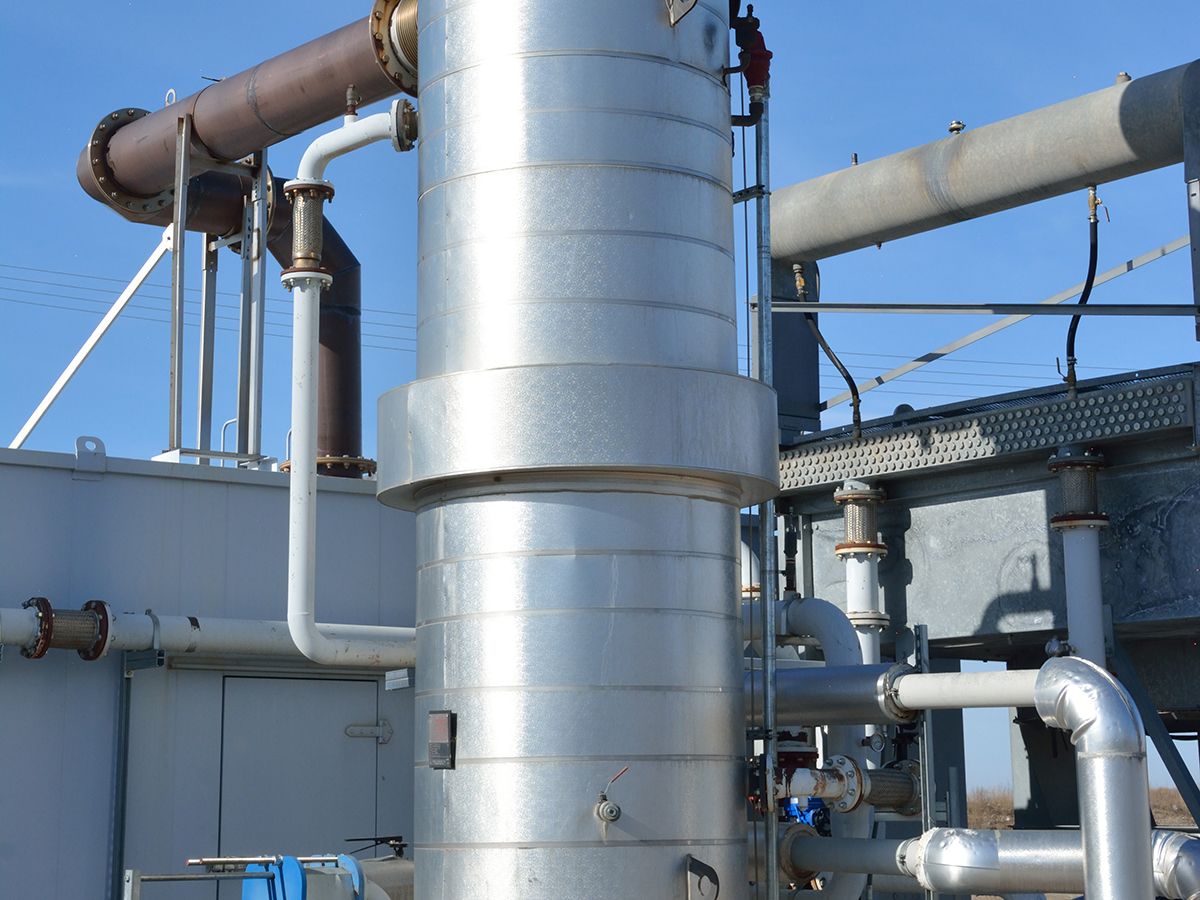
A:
x,y
259,107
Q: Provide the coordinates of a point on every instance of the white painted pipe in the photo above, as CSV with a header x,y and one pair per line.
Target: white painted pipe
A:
x,y
965,690
354,134
862,596
1085,610
216,637
356,647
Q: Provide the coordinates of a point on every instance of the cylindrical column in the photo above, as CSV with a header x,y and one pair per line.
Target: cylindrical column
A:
x,y
577,509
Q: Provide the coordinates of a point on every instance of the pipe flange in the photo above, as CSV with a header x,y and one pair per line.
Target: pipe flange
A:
x,y
358,463
860,494
289,277
103,628
318,190
1069,520
853,548
869,619
45,613
393,25
131,205
799,831
1076,458
404,126
851,775
885,690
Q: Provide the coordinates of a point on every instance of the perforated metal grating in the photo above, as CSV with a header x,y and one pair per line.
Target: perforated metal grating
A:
x,y
990,428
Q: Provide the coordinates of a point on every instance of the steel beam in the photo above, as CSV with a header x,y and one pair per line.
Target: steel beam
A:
x,y
93,339
994,327
183,158
208,326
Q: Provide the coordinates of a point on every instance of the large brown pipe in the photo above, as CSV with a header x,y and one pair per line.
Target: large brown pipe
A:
x,y
215,206
257,108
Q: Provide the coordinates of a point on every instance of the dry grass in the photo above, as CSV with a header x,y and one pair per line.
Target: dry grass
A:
x,y
989,808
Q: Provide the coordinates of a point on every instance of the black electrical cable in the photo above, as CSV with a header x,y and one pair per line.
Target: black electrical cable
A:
x,y
801,293
1088,283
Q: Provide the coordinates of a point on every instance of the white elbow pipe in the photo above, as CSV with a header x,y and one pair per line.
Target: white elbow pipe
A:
x,y
354,135
306,285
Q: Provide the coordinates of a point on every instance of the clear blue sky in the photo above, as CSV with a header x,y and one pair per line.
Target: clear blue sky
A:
x,y
870,79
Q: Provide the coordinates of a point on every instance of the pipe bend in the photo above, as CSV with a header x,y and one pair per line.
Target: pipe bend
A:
x,y
827,623
354,135
1080,697
1176,864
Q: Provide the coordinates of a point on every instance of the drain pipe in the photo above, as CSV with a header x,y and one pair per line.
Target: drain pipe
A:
x,y
306,280
965,861
1080,524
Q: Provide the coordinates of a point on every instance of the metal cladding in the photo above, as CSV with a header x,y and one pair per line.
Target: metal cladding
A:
x,y
576,447
1129,128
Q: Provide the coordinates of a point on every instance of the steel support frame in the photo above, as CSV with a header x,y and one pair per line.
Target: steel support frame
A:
x,y
208,328
767,520
253,311
979,334
1186,785
1191,174
183,176
93,339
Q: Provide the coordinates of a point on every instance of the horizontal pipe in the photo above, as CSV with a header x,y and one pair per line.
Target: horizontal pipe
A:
x,y
219,637
246,112
833,695
965,690
960,860
1123,130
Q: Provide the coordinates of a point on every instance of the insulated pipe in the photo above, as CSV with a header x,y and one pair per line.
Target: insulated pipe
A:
x,y
306,285
201,636
1123,130
823,621
259,107
964,861
965,690
836,695
1081,576
1110,761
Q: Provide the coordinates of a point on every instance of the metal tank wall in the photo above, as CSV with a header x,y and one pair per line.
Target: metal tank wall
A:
x,y
577,447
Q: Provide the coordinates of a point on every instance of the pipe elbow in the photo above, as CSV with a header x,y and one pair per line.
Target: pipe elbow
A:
x,y
826,623
1176,864
1080,697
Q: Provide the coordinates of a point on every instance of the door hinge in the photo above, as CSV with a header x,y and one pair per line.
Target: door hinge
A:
x,y
381,732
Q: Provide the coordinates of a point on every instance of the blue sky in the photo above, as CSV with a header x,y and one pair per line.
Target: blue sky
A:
x,y
870,79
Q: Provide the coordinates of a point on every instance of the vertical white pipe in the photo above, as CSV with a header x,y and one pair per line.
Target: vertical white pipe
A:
x,y
862,596
1085,609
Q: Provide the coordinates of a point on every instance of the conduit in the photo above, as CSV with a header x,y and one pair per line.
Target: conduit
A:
x,y
306,279
1129,128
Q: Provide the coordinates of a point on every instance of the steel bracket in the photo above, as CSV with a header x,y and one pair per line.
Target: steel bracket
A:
x,y
698,873
90,459
382,732
677,9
